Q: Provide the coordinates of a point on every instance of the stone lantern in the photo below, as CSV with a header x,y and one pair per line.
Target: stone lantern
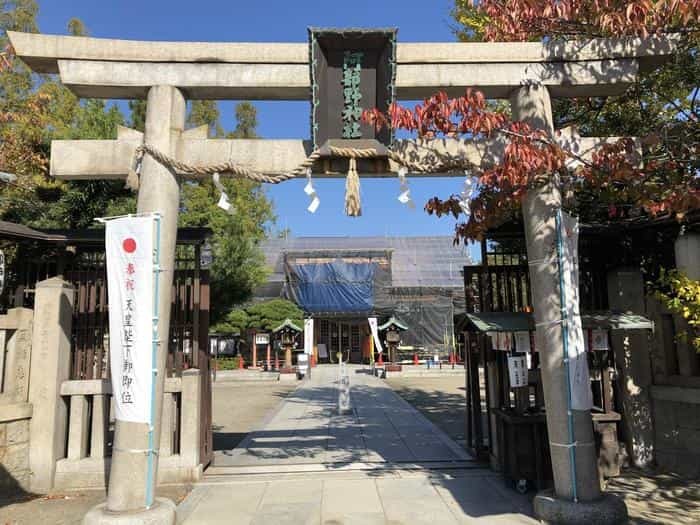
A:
x,y
287,334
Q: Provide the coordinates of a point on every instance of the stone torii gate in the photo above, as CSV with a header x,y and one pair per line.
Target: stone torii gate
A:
x,y
169,73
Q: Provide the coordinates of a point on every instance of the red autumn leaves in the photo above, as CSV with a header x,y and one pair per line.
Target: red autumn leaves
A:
x,y
441,115
532,157
517,20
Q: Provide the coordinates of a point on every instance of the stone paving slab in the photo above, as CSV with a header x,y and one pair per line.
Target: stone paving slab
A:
x,y
414,499
306,428
382,462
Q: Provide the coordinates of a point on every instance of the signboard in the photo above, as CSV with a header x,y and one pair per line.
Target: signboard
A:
x,y
517,371
522,342
392,336
130,251
262,339
501,341
303,363
599,340
308,336
351,70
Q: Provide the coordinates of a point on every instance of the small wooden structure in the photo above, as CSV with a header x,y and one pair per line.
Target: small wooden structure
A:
x,y
287,334
507,423
392,336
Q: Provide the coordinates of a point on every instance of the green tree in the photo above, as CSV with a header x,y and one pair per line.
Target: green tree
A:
x,y
238,265
270,314
76,27
16,80
206,112
246,122
35,116
137,120
234,322
36,109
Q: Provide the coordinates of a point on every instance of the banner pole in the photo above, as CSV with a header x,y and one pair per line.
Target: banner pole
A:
x,y
150,472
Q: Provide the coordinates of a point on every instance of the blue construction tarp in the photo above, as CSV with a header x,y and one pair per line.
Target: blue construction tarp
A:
x,y
335,286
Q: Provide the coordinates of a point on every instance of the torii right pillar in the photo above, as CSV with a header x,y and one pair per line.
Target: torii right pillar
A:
x,y
532,104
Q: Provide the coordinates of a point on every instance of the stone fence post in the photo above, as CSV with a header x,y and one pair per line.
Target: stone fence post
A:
x,y
632,349
50,366
190,441
15,412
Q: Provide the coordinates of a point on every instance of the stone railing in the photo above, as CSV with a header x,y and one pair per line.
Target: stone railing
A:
x,y
90,432
15,410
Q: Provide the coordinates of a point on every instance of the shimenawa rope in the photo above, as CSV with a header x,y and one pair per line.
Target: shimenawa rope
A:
x,y
352,182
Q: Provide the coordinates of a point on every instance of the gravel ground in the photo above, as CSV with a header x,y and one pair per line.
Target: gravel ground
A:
x,y
652,497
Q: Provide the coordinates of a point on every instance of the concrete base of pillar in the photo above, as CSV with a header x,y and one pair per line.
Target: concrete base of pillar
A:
x,y
161,513
608,510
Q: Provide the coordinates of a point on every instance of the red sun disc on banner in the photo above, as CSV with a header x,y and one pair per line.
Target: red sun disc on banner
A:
x,y
129,245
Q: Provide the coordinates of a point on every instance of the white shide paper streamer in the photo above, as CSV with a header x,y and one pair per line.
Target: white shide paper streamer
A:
x,y
224,202
311,192
404,191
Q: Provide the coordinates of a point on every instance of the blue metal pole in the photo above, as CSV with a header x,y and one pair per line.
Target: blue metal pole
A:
x,y
150,472
565,337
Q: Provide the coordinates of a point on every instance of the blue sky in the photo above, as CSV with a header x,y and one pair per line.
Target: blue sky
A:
x,y
285,21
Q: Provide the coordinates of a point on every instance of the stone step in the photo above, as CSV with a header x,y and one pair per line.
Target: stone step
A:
x,y
225,376
222,472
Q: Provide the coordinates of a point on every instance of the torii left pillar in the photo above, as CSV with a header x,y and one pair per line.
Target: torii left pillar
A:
x,y
158,192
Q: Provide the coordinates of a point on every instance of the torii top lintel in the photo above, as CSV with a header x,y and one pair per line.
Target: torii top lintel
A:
x,y
108,68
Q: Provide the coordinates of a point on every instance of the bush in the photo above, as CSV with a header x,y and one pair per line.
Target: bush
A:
x,y
227,363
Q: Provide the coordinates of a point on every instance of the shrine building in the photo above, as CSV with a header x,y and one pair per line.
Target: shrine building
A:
x,y
342,281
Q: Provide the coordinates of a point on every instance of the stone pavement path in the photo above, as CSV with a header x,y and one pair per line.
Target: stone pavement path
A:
x,y
307,429
381,462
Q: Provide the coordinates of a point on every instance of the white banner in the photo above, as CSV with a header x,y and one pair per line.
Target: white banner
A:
x,y
308,336
375,333
130,252
581,395
2,271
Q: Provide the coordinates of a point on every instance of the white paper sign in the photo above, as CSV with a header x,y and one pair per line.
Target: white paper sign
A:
x,y
522,342
308,336
129,249
581,395
501,341
375,333
599,339
517,371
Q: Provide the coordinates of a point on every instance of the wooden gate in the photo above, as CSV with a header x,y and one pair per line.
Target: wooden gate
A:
x,y
83,265
189,331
